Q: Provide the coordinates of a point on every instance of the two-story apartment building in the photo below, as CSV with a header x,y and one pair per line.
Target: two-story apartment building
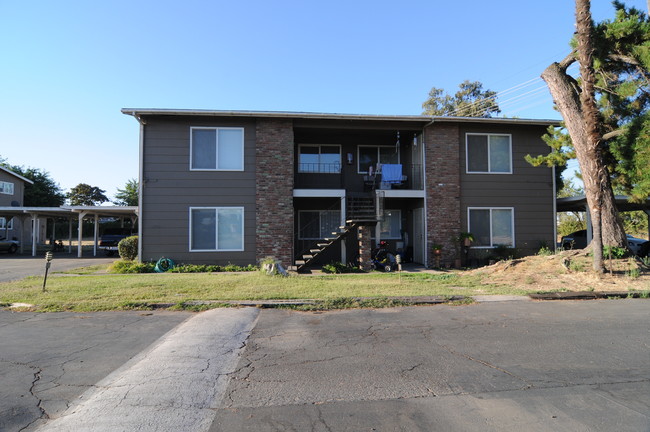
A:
x,y
238,186
12,188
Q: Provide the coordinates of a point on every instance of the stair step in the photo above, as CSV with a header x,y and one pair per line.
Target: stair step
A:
x,y
323,245
315,251
307,257
299,262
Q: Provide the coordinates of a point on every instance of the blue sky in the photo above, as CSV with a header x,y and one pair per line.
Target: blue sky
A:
x,y
68,67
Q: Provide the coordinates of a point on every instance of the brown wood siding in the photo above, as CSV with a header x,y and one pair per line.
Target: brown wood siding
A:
x,y
170,189
529,190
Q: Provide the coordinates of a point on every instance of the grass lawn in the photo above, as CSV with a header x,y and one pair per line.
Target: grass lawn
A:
x,y
93,292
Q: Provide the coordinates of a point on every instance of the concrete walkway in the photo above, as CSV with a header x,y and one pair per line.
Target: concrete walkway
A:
x,y
175,385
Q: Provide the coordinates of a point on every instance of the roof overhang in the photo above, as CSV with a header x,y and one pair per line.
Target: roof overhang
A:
x,y
26,180
579,204
140,112
67,211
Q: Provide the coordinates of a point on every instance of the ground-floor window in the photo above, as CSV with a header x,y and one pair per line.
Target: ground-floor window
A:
x,y
318,224
491,226
391,225
216,229
3,224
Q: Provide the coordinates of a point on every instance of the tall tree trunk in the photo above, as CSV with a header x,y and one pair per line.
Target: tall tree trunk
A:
x,y
594,160
580,114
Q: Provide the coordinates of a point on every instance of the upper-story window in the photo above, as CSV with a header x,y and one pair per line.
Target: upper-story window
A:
x,y
218,149
371,156
319,159
6,188
489,153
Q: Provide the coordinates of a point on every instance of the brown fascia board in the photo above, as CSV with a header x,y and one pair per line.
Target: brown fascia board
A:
x,y
140,112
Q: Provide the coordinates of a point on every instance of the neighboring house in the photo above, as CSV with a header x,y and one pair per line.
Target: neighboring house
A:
x,y
238,186
12,189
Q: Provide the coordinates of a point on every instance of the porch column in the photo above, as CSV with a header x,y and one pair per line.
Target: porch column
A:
x,y
590,233
365,245
70,235
95,234
80,233
35,229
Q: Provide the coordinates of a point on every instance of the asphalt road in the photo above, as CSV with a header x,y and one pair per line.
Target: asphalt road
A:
x,y
14,267
535,366
48,360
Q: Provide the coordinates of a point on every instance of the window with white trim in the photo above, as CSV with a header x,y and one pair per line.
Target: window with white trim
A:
x,y
319,159
318,224
489,153
369,157
3,224
216,229
391,225
491,226
6,188
216,149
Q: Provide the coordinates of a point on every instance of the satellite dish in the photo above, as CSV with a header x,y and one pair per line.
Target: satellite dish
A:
x,y
15,204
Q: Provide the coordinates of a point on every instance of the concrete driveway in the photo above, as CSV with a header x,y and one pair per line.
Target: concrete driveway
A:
x,y
511,365
13,267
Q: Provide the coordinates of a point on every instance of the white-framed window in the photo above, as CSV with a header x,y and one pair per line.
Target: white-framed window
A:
x,y
318,224
390,226
216,229
491,226
6,188
488,153
369,156
216,149
319,159
3,224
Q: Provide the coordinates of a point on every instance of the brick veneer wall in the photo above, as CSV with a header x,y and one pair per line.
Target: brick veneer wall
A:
x,y
442,189
274,154
365,247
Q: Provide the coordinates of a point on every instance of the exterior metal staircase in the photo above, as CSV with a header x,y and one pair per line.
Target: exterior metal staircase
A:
x,y
361,211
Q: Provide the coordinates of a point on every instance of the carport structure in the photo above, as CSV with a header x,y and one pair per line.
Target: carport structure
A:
x,y
579,204
66,212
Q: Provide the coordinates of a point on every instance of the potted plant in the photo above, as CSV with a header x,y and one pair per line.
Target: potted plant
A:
x,y
466,238
436,249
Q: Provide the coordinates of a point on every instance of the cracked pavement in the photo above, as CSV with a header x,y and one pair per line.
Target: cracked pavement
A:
x,y
538,366
48,360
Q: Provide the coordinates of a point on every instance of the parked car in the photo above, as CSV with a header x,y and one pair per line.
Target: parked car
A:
x,y
635,244
578,240
111,237
9,246
575,240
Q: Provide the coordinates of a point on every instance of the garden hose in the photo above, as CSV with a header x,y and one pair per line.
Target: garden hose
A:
x,y
163,265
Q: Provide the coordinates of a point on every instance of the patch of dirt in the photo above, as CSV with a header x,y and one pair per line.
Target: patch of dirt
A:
x,y
568,271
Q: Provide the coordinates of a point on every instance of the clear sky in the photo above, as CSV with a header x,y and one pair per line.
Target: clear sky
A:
x,y
68,67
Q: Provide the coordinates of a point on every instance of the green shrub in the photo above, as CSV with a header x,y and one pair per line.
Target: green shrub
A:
x,y
339,267
128,248
125,266
616,252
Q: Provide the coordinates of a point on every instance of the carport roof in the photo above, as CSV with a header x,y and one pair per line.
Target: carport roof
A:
x,y
579,203
63,211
